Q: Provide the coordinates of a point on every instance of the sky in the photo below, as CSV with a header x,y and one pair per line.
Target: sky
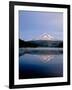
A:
x,y
32,24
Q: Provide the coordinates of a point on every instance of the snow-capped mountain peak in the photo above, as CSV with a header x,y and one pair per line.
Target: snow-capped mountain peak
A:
x,y
45,36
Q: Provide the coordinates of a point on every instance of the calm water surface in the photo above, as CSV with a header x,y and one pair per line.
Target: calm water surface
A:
x,y
40,64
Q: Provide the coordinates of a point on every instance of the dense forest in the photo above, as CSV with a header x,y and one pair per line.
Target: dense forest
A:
x,y
40,43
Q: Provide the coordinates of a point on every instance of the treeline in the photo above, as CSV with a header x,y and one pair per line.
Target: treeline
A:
x,y
26,44
40,43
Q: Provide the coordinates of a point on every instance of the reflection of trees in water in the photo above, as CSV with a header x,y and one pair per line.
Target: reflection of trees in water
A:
x,y
44,54
46,58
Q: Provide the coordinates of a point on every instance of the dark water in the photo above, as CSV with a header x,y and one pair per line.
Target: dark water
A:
x,y
40,64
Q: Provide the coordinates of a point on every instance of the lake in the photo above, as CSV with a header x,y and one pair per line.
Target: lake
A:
x,y
40,62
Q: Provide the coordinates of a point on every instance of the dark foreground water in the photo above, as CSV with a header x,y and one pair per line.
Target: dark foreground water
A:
x,y
40,63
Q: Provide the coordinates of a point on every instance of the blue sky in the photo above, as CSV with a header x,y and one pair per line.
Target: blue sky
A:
x,y
33,23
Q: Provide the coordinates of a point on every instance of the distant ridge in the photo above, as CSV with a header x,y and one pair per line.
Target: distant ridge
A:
x,y
41,43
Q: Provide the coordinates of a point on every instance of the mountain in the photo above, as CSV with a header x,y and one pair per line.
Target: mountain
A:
x,y
44,40
45,36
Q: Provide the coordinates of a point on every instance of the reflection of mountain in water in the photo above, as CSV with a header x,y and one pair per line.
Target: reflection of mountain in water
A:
x,y
45,54
46,58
